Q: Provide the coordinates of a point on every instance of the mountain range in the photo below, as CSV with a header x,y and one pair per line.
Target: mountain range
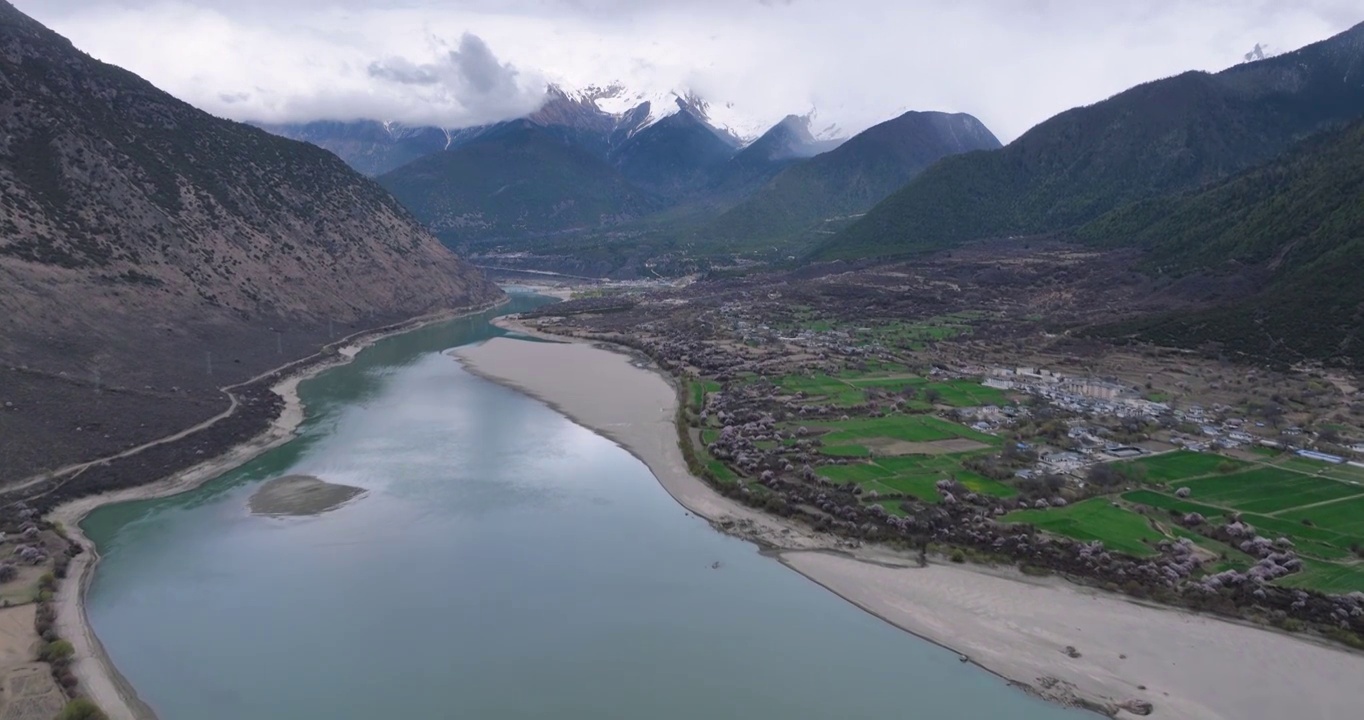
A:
x,y
589,164
152,253
1167,136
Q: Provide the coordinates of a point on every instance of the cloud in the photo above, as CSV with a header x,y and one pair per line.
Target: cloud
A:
x,y
468,82
1012,63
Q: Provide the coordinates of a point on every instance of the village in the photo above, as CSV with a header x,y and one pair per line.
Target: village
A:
x,y
969,430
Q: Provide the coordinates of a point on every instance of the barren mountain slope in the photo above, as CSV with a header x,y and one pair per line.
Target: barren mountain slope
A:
x,y
150,253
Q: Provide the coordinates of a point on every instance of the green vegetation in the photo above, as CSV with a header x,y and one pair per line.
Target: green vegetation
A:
x,y
1267,490
1156,139
801,200
1095,519
56,650
506,180
1344,516
1301,214
916,475
1327,577
850,389
1182,465
81,709
907,428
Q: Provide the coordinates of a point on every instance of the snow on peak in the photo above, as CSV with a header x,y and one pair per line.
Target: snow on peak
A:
x,y
618,99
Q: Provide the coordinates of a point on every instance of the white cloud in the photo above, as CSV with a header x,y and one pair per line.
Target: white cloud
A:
x,y
1012,63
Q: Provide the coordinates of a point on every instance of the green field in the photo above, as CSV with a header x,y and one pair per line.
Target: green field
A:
x,y
1325,545
823,387
910,428
1268,490
914,475
1119,529
850,387
1327,577
699,390
1345,516
1322,542
1183,464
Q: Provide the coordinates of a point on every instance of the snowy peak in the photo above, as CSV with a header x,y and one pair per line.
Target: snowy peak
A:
x,y
618,100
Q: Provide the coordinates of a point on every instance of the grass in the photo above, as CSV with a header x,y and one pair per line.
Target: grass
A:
x,y
1268,490
1304,465
1345,517
1348,473
1119,529
1320,542
915,475
910,428
859,473
1183,464
850,451
831,389
1327,577
850,387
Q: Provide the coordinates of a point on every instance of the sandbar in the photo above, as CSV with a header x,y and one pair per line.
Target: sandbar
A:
x,y
294,495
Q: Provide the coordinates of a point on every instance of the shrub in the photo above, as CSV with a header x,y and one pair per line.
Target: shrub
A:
x,y
56,650
958,556
81,709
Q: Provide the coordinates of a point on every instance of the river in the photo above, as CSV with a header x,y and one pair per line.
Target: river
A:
x,y
503,563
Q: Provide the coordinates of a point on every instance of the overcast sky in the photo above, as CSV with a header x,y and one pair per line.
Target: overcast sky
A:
x,y
1012,63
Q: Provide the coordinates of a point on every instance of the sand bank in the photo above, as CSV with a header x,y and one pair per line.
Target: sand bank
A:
x,y
99,679
294,495
1187,666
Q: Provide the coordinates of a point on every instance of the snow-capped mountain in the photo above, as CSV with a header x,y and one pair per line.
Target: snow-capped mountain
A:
x,y
601,118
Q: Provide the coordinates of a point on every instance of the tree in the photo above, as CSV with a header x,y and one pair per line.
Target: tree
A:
x,y
56,650
81,709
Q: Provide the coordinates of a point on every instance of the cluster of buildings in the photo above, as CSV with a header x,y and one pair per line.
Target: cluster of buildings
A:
x,y
1083,395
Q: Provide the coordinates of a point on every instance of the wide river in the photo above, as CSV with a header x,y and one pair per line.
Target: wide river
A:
x,y
504,563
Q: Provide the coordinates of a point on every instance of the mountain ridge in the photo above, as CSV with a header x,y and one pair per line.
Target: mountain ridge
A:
x,y
1168,135
851,177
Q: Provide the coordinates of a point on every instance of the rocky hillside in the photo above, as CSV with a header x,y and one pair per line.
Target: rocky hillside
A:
x,y
1168,136
152,253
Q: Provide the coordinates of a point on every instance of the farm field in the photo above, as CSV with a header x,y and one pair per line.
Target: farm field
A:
x,y
917,476
849,388
1326,544
1268,490
1327,577
1183,464
1119,529
1345,516
907,428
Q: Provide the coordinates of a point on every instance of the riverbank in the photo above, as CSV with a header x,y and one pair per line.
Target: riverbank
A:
x,y
99,679
1066,643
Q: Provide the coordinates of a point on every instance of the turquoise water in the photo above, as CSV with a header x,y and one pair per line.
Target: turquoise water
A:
x,y
505,563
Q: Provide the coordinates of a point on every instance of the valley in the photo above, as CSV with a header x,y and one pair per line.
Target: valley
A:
x,y
1046,400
